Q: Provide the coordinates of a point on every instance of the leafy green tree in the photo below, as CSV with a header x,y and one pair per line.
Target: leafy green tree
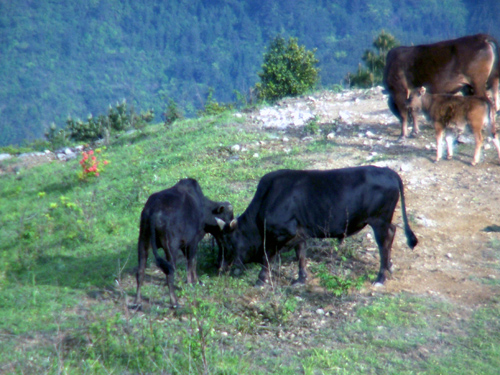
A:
x,y
374,61
288,70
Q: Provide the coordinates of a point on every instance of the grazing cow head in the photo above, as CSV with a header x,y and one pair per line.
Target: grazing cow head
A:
x,y
238,246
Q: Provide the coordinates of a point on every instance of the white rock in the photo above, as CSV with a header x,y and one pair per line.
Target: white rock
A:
x,y
235,148
5,156
405,167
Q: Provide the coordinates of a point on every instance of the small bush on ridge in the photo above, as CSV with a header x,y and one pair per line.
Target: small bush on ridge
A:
x,y
288,70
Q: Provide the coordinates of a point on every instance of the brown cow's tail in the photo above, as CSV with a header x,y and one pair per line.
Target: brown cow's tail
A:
x,y
411,239
163,264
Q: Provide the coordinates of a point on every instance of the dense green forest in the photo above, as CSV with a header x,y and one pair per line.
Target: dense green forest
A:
x,y
60,58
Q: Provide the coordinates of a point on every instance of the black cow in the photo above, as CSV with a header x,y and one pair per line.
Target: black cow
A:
x,y
291,206
469,65
173,219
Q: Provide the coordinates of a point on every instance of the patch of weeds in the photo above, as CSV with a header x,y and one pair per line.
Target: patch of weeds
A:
x,y
494,244
338,285
331,127
312,127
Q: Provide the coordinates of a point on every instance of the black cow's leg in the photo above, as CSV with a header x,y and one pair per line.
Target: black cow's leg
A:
x,y
142,252
170,283
169,269
300,250
384,235
192,276
265,272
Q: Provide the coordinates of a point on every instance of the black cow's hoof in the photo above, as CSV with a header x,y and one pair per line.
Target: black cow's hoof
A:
x,y
236,271
260,284
135,306
298,283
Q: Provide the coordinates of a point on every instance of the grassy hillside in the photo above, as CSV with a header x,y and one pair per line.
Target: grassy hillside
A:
x,y
68,253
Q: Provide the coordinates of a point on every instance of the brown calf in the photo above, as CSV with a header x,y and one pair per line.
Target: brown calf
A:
x,y
444,110
469,64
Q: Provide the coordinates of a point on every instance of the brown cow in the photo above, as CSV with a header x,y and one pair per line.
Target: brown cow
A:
x,y
444,110
469,65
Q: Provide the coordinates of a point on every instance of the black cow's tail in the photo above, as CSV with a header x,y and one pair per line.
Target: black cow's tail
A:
x,y
411,239
163,264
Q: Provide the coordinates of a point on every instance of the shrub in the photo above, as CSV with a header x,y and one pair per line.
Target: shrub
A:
x,y
118,119
212,107
172,113
91,166
89,131
57,137
288,70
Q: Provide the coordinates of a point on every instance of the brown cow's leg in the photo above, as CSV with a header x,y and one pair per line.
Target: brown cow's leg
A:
x,y
398,107
449,147
494,89
497,144
413,115
439,140
493,132
384,235
479,142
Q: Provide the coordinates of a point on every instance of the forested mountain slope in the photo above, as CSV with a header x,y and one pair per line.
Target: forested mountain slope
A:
x,y
75,58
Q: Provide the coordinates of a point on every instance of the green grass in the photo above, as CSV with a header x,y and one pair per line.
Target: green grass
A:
x,y
67,259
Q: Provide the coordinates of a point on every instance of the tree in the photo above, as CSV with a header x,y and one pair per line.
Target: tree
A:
x,y
374,61
288,70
